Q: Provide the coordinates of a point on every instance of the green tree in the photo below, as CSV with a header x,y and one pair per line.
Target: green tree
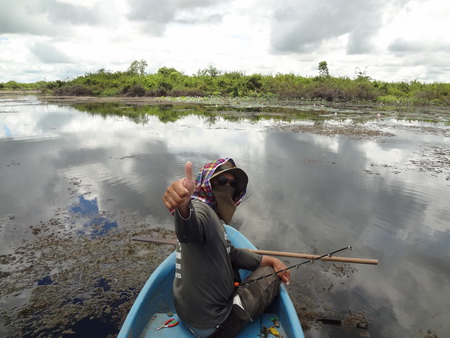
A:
x,y
323,69
210,71
362,74
165,71
138,67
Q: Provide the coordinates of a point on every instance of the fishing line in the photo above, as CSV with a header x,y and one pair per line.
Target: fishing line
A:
x,y
293,266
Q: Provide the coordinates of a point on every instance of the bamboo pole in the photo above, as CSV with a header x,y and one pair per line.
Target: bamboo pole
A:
x,y
270,253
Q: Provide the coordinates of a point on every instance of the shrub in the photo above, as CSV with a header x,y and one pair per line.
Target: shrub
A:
x,y
135,91
73,90
110,92
211,81
156,92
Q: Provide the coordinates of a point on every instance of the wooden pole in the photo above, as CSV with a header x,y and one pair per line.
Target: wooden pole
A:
x,y
270,253
309,256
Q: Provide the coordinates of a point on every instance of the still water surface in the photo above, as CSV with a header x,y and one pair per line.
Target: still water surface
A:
x,y
307,193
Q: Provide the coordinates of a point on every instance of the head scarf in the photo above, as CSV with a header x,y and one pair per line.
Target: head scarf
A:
x,y
203,189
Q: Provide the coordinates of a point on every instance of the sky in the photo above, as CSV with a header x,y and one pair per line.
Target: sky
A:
x,y
388,40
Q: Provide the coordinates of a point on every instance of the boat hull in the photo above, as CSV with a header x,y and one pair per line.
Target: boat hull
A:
x,y
154,305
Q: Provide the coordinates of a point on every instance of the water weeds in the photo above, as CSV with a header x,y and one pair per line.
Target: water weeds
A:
x,y
72,278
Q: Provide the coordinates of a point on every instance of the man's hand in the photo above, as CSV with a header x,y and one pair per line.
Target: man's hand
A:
x,y
277,265
178,194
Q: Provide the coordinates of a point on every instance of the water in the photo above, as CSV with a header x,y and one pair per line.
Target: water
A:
x,y
385,196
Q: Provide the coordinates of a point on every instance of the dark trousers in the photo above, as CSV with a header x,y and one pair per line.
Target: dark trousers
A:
x,y
255,298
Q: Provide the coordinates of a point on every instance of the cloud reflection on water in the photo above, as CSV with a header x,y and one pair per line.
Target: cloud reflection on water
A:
x,y
306,191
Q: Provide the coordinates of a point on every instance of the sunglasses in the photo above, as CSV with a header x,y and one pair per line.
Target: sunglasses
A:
x,y
222,180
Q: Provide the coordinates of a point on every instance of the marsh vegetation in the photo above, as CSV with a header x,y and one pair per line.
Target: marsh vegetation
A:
x,y
211,82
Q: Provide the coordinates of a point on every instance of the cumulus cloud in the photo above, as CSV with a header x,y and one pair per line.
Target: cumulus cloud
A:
x,y
44,17
193,19
47,53
397,39
17,17
303,26
401,45
154,15
61,12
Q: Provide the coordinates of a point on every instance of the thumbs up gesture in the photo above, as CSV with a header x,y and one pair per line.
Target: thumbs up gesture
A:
x,y
178,194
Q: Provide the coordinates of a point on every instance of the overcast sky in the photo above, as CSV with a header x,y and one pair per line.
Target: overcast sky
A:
x,y
391,40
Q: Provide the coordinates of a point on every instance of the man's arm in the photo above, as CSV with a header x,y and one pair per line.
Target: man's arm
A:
x,y
277,265
244,259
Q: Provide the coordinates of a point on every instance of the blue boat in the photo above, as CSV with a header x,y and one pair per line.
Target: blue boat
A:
x,y
154,306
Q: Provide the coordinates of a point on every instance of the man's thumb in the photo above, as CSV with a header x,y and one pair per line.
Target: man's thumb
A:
x,y
189,182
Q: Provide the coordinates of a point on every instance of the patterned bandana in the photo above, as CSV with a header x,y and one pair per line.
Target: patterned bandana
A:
x,y
203,189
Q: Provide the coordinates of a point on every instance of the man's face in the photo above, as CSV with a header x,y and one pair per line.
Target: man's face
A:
x,y
224,179
224,187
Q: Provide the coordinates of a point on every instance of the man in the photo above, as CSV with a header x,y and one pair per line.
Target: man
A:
x,y
207,264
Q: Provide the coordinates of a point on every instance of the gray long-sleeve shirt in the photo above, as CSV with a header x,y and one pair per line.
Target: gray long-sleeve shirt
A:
x,y
204,279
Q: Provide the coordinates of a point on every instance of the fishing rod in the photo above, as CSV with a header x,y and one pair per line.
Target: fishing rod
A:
x,y
238,285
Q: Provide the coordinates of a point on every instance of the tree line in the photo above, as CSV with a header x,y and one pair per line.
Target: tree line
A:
x,y
213,82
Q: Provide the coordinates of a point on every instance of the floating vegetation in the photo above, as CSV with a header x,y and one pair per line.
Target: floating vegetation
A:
x,y
322,279
75,283
433,159
354,131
